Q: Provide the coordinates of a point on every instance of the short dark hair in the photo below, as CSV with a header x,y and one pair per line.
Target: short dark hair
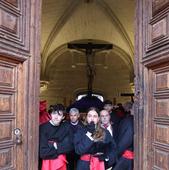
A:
x,y
57,107
107,102
50,109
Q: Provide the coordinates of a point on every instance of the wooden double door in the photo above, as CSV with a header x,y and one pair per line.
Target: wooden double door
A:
x,y
19,84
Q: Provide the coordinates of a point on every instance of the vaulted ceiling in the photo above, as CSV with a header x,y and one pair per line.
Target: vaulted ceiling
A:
x,y
98,21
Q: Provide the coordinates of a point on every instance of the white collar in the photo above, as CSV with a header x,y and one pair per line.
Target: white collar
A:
x,y
52,123
74,123
109,128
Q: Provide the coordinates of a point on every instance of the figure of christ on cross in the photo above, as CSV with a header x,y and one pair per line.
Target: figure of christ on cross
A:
x,y
90,49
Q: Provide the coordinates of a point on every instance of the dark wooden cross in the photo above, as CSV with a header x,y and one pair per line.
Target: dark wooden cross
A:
x,y
128,95
90,49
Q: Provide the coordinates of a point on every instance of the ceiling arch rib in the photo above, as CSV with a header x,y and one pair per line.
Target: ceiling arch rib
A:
x,y
60,50
58,26
89,21
114,19
127,59
51,59
68,12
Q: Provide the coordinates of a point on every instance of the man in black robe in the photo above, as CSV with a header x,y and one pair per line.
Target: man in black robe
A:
x,y
55,139
114,118
125,141
106,124
75,124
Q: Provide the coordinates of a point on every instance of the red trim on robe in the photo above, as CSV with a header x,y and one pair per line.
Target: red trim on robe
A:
x,y
55,164
128,154
95,164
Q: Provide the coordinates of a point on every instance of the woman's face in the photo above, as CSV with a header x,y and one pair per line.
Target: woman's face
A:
x,y
92,116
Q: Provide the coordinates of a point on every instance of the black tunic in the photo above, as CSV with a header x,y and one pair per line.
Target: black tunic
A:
x,y
84,145
61,134
76,127
72,157
115,124
125,135
112,153
125,142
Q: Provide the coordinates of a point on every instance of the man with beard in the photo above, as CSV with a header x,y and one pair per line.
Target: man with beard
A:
x,y
75,124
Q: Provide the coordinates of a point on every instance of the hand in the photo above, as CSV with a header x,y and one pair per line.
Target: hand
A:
x,y
101,156
91,127
52,143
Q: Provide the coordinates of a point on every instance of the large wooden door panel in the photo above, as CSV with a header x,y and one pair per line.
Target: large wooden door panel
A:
x,y
158,115
156,31
11,114
152,72
19,83
15,26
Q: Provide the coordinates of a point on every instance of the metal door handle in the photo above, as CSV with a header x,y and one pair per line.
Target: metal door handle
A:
x,y
18,136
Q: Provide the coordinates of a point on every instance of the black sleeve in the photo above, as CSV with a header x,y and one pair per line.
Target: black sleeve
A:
x,y
126,140
46,150
112,154
82,143
66,145
111,151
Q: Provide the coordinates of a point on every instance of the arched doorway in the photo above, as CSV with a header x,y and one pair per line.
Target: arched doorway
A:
x,y
19,68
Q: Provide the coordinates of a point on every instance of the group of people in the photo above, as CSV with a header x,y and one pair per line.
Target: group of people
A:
x,y
103,141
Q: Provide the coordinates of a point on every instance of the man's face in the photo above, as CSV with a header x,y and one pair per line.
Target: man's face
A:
x,y
57,117
74,117
108,107
127,106
92,116
105,117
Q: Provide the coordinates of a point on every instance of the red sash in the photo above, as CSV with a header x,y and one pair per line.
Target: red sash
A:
x,y
55,164
128,154
95,164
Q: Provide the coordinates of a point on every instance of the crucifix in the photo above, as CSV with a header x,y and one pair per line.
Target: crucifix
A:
x,y
129,95
90,49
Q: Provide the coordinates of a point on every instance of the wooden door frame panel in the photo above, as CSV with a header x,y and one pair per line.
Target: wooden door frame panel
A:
x,y
140,137
28,62
34,86
141,91
138,109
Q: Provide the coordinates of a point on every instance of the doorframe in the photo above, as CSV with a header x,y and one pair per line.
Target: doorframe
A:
x,y
33,85
139,93
139,84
